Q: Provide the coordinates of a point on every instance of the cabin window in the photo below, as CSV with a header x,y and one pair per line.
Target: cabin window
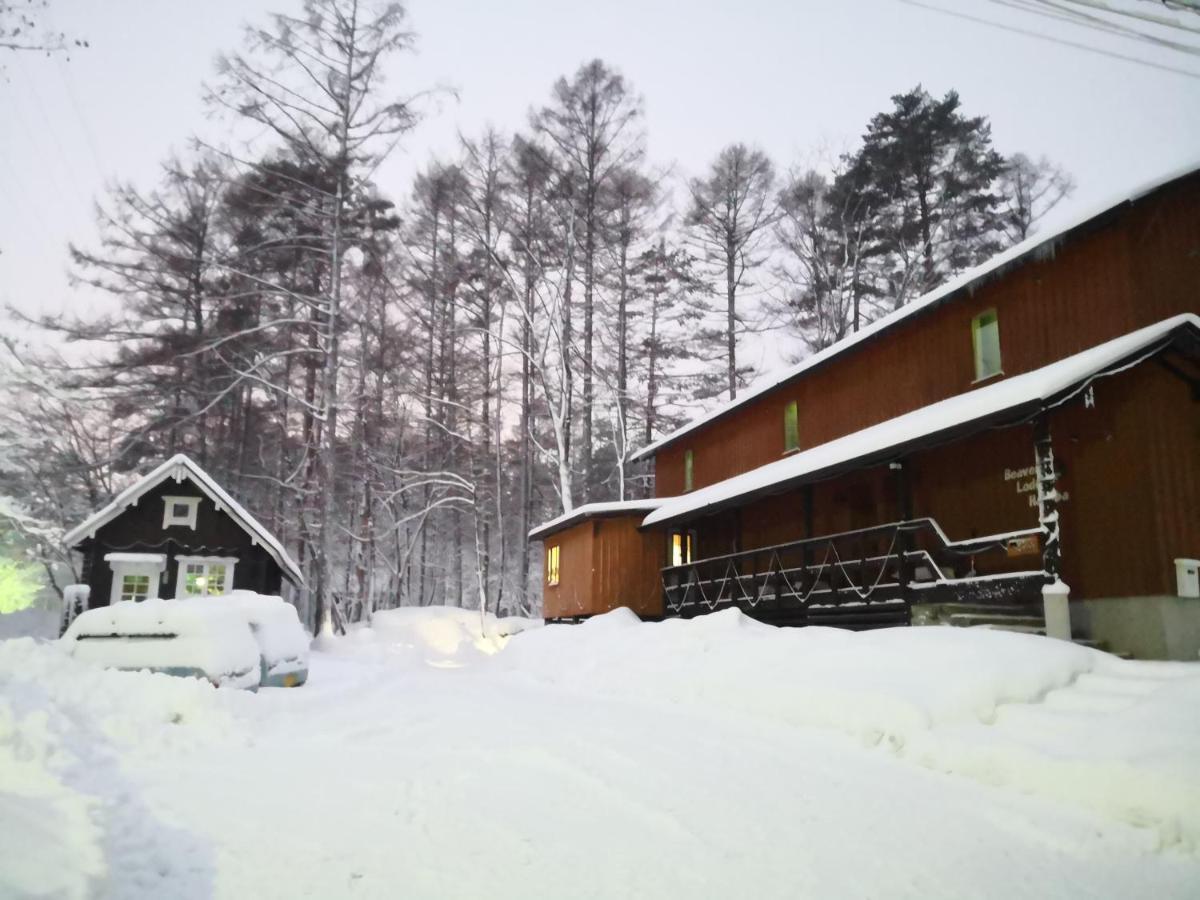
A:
x,y
135,587
135,576
552,565
204,576
683,544
688,471
180,511
985,338
791,427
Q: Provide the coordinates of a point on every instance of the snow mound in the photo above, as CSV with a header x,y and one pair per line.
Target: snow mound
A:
x,y
64,726
1044,716
443,634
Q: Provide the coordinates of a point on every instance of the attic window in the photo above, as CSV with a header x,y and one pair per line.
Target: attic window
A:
x,y
985,339
689,480
180,511
791,427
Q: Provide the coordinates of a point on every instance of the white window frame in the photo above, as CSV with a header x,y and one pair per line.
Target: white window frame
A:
x,y
151,565
169,517
182,562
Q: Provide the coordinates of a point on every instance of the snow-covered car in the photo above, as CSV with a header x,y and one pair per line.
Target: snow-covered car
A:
x,y
170,636
282,641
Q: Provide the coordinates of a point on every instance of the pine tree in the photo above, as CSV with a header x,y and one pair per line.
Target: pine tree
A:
x,y
927,173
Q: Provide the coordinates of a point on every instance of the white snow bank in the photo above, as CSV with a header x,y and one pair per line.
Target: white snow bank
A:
x,y
167,634
998,706
63,726
434,633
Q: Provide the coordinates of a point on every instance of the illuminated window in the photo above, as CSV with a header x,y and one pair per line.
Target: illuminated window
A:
x,y
204,576
135,587
552,565
791,426
682,545
688,478
985,338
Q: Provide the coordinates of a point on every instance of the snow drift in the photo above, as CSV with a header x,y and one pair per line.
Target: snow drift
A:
x,y
1045,716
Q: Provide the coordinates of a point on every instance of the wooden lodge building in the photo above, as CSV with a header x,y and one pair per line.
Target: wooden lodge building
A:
x,y
1033,424
177,533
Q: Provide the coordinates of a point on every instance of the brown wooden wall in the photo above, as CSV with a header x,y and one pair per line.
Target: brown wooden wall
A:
x,y
1139,268
603,564
1129,471
572,596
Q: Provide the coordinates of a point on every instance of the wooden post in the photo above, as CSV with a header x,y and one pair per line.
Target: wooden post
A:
x,y
1047,498
1055,594
807,495
904,538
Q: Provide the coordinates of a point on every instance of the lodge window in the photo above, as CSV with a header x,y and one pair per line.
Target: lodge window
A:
x,y
791,427
180,511
683,545
688,471
985,339
135,587
552,565
204,576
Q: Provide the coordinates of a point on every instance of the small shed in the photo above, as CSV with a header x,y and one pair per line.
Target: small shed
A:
x,y
596,559
177,533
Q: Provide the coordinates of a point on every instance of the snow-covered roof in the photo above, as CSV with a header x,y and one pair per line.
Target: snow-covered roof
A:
x,y
1014,398
593,511
180,467
1039,246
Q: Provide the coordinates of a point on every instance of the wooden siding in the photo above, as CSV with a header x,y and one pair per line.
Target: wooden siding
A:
x,y
603,564
1129,474
572,596
1139,268
139,529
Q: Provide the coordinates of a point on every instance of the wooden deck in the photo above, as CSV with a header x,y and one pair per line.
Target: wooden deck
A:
x,y
869,578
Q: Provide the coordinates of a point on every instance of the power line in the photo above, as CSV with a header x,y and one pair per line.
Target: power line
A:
x,y
1089,48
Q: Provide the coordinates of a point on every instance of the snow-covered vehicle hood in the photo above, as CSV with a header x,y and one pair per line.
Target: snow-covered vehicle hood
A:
x,y
167,636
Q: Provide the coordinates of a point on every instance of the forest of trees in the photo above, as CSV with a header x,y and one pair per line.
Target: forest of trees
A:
x,y
401,380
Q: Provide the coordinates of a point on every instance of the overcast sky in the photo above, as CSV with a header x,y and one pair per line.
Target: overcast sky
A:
x,y
794,77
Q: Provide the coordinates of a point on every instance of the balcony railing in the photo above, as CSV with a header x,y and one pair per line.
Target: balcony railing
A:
x,y
861,578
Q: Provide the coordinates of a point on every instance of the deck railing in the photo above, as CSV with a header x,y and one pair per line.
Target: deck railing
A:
x,y
870,576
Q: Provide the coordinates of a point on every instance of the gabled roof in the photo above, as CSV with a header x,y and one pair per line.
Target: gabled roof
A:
x,y
180,467
1008,402
1038,247
593,511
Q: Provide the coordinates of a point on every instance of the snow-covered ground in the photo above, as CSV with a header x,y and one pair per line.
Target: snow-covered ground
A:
x,y
710,758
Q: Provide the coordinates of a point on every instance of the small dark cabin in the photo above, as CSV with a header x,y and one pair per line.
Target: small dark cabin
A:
x,y
177,533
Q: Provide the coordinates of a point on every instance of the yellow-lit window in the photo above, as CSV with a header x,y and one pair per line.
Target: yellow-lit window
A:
x,y
682,544
985,339
688,473
552,565
791,426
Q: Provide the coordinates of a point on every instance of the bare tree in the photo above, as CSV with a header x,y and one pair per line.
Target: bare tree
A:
x,y
592,125
21,29
1028,190
314,81
732,210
